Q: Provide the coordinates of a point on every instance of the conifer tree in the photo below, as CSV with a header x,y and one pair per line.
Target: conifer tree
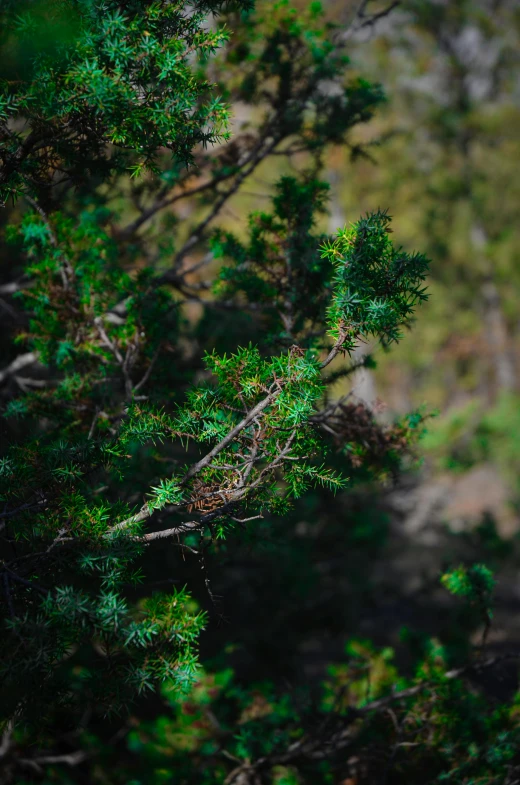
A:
x,y
123,443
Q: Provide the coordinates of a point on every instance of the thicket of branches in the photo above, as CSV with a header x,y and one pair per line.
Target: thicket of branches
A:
x,y
129,429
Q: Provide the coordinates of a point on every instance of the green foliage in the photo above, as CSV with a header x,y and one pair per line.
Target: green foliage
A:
x,y
366,676
80,648
455,732
471,582
256,416
376,284
79,295
281,264
119,77
293,53
475,584
365,287
142,440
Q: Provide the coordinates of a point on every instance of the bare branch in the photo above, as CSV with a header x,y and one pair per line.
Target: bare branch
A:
x,y
189,526
22,361
148,371
336,349
70,759
5,744
13,286
246,520
362,20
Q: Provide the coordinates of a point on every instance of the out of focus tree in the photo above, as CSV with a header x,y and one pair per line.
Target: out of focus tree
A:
x,y
447,149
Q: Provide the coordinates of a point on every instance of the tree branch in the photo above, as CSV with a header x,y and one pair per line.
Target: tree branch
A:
x,y
17,364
